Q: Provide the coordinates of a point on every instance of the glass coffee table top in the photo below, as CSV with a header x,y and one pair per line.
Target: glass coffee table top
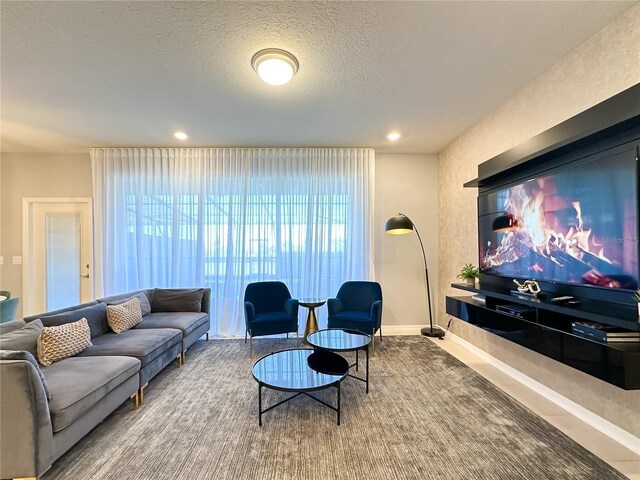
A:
x,y
300,370
338,339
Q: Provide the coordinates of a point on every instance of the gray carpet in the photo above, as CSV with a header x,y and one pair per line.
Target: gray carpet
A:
x,y
427,416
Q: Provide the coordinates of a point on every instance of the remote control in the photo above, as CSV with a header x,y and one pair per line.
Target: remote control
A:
x,y
562,299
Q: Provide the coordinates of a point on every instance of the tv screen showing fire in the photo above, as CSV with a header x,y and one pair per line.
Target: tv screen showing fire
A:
x,y
577,225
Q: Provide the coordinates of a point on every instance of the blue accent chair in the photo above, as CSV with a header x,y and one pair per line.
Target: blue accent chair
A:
x,y
8,309
269,310
357,306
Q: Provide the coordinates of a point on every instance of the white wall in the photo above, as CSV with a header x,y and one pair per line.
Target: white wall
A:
x,y
34,175
604,65
406,183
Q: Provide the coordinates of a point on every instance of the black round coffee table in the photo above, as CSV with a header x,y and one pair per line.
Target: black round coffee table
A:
x,y
299,370
342,340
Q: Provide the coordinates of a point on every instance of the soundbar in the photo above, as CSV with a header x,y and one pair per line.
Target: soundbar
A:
x,y
520,311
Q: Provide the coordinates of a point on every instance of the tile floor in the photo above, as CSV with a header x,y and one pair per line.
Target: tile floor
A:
x,y
615,454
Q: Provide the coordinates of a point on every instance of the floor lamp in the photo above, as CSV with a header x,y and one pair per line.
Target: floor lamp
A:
x,y
400,225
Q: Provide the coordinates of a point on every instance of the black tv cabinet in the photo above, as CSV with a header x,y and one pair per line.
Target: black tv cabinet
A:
x,y
547,330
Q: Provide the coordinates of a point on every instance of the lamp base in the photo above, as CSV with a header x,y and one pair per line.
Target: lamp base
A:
x,y
432,332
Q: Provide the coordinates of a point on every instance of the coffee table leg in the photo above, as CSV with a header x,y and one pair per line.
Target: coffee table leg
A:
x,y
367,377
357,360
259,404
338,411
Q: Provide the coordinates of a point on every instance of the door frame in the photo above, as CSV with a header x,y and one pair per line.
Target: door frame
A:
x,y
28,264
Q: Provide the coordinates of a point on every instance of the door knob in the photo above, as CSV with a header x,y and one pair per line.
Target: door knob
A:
x,y
84,276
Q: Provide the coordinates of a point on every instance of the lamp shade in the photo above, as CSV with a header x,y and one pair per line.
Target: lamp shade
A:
x,y
505,223
398,225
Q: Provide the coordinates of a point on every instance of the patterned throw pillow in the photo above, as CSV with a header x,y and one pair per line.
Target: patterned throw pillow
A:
x,y
62,341
124,316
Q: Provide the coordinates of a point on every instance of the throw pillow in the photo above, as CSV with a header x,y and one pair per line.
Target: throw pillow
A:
x,y
27,357
124,316
56,343
145,307
25,338
177,299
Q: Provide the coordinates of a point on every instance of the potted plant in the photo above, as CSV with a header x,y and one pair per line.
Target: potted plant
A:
x,y
469,273
637,297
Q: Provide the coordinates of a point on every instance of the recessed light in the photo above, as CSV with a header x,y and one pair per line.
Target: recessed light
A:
x,y
274,66
393,136
180,135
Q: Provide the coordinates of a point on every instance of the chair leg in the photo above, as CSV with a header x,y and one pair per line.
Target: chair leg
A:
x,y
250,345
380,331
287,334
245,336
207,336
373,341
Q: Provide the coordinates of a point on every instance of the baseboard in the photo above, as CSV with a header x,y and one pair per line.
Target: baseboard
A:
x,y
613,431
401,329
386,330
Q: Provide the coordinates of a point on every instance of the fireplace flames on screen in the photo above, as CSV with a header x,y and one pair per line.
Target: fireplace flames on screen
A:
x,y
551,236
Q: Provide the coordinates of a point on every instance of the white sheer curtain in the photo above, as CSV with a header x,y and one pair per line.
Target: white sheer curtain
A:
x,y
224,217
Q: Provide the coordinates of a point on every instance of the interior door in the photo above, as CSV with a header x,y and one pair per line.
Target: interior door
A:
x,y
62,256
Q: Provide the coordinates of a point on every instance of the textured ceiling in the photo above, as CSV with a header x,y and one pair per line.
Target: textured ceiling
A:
x,y
82,74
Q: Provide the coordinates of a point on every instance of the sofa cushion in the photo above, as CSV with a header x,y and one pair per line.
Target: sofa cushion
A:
x,y
63,341
124,316
11,325
78,383
177,300
187,322
24,338
31,318
145,345
26,357
145,306
95,314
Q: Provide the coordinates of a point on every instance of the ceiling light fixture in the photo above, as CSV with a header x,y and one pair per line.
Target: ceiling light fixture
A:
x,y
180,135
274,66
393,136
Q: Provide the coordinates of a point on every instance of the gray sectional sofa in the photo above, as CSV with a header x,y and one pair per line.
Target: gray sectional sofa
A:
x,y
44,411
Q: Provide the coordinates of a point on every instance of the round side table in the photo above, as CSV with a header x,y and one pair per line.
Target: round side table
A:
x,y
312,322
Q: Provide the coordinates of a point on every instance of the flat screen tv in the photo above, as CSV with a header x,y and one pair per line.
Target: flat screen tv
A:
x,y
576,225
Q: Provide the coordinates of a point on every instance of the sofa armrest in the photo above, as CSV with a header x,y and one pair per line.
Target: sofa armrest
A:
x,y
376,313
291,307
206,301
334,306
26,434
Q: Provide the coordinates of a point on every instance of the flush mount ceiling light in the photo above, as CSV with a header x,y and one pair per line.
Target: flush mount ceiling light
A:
x,y
274,66
180,135
393,136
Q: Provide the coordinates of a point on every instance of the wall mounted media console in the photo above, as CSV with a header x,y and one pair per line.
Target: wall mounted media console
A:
x,y
546,329
549,209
